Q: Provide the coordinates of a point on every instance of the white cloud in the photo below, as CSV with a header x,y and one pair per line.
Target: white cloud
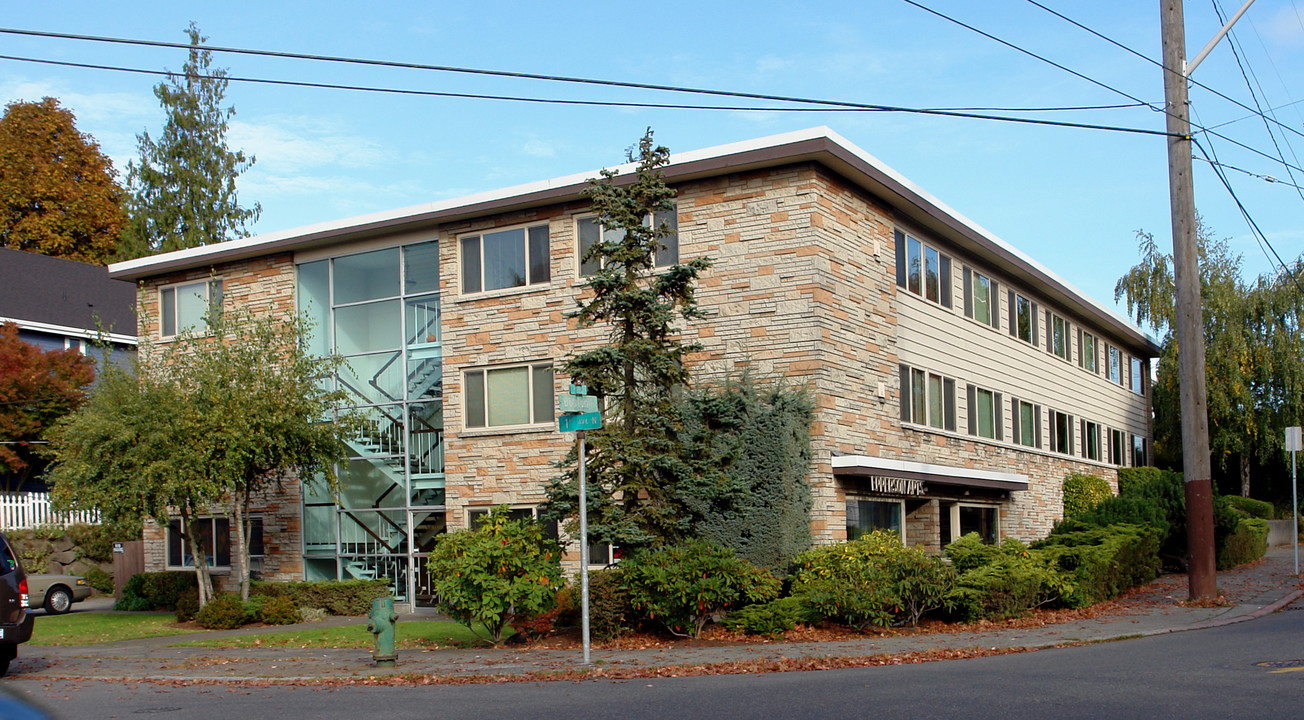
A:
x,y
1286,27
291,144
538,148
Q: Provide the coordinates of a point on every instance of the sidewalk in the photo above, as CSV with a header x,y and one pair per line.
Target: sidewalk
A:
x,y
1254,591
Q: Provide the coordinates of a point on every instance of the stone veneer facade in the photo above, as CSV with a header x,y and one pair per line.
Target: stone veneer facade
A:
x,y
803,286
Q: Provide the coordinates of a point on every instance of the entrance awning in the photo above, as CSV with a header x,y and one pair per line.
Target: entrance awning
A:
x,y
867,466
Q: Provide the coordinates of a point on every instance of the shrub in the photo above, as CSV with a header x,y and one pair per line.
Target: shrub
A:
x,y
1103,562
1083,493
771,619
684,586
224,612
311,614
279,611
1015,581
875,580
100,580
1245,544
1251,507
490,574
187,607
611,613
94,542
336,597
156,590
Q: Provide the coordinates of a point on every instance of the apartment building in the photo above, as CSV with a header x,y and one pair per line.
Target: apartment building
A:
x,y
957,381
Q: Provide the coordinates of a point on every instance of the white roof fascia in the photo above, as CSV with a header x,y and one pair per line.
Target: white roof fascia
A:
x,y
909,466
66,331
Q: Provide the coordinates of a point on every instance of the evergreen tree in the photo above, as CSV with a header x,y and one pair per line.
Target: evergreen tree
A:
x,y
635,461
58,195
183,190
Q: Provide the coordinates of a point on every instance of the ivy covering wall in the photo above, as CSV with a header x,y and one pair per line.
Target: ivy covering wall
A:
x,y
750,443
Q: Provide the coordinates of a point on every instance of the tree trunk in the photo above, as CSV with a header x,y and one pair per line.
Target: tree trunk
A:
x,y
241,560
198,552
1245,474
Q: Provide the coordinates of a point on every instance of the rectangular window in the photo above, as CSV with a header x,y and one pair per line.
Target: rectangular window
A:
x,y
923,269
1061,432
589,230
1136,376
1059,336
866,516
505,259
980,298
981,519
1117,450
927,398
183,307
1090,440
1023,318
1138,451
214,537
1114,369
504,397
1087,351
476,517
1026,430
984,413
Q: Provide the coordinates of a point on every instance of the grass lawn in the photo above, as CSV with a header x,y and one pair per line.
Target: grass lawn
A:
x,y
90,628
418,635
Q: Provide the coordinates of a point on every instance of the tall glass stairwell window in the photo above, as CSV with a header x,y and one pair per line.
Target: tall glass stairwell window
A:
x,y
380,312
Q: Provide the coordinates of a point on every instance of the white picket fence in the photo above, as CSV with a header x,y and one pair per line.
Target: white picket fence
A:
x,y
32,509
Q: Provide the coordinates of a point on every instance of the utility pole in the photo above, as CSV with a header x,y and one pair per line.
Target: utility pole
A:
x,y
1189,323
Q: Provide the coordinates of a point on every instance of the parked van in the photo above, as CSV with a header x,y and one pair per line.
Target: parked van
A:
x,y
15,620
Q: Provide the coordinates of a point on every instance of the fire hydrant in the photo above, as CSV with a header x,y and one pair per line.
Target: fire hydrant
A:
x,y
381,625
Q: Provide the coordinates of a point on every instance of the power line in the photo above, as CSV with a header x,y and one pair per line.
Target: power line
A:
x,y
1234,44
1093,81
841,106
1254,227
1265,178
1156,63
479,71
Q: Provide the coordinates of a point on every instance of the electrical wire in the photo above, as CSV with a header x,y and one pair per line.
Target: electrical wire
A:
x,y
1093,81
1254,227
1243,171
1156,63
842,106
1237,51
494,73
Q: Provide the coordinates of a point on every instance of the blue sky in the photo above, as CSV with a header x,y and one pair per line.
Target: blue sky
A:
x,y
1073,199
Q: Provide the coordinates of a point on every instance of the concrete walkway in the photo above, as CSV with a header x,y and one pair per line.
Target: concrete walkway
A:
x,y
1253,590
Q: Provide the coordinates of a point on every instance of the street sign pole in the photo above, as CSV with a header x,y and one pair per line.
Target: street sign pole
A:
x,y
584,552
1294,443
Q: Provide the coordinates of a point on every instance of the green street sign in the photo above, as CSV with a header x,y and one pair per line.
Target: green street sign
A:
x,y
579,389
577,403
583,421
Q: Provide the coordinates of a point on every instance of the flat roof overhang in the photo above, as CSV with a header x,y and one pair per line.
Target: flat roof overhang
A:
x,y
868,466
819,145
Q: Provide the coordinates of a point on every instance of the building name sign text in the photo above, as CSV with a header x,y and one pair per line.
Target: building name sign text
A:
x,y
895,486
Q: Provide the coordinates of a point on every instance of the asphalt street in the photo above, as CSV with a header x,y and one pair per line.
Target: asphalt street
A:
x,y
1252,669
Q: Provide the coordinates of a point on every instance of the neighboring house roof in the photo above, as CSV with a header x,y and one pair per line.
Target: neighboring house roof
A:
x,y
65,297
820,145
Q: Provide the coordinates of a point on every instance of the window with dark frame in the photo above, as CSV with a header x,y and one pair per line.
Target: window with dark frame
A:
x,y
183,307
984,413
923,270
1061,432
927,398
1023,317
503,259
1026,425
508,396
589,230
980,298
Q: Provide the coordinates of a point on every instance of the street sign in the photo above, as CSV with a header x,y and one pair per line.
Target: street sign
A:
x,y
577,403
583,421
1293,443
579,389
